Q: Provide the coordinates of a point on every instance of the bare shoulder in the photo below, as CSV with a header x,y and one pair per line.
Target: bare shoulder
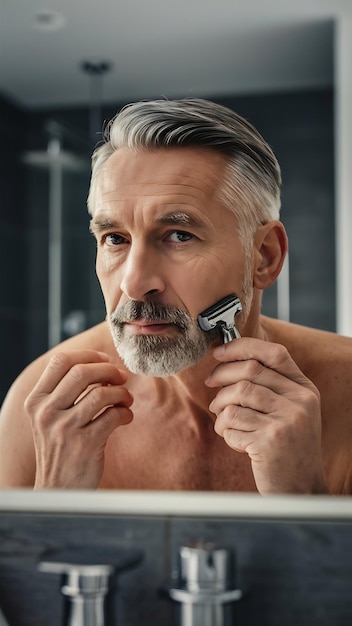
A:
x,y
324,357
306,343
96,338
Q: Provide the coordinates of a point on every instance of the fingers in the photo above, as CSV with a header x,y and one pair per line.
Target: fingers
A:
x,y
285,453
85,390
276,395
251,371
68,456
107,421
235,418
61,363
267,408
97,402
271,356
76,405
251,383
233,371
248,395
67,376
80,377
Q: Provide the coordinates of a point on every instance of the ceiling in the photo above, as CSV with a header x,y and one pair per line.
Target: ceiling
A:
x,y
163,48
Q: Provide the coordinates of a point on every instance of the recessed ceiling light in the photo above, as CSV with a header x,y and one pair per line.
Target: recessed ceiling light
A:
x,y
48,20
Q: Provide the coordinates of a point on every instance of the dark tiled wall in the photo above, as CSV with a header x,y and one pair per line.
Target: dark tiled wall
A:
x,y
291,573
299,127
13,243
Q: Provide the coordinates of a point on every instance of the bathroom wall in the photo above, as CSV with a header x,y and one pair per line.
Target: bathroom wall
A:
x,y
299,127
291,573
13,242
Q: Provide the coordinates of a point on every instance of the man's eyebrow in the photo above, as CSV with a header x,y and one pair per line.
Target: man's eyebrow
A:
x,y
98,225
179,218
176,218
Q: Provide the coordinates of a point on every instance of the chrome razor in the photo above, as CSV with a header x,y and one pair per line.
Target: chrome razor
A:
x,y
222,315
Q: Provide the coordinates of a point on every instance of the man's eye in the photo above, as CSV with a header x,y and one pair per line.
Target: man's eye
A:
x,y
180,236
114,239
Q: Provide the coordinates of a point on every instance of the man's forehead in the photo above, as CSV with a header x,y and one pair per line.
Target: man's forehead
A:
x,y
169,182
159,165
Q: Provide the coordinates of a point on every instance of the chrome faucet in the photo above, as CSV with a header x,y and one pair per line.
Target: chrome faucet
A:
x,y
85,586
205,586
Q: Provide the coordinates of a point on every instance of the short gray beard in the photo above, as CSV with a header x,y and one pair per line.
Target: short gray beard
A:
x,y
157,355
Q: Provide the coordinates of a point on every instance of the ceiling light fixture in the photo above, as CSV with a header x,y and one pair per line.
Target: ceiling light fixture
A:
x,y
95,69
49,20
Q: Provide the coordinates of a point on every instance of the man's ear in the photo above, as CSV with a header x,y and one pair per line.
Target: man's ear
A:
x,y
270,249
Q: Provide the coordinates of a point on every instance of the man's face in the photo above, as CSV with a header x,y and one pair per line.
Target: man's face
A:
x,y
166,250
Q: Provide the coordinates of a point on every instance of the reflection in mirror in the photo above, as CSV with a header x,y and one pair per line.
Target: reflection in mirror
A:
x,y
150,423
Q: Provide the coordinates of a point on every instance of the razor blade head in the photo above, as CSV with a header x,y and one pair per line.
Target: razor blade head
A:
x,y
222,313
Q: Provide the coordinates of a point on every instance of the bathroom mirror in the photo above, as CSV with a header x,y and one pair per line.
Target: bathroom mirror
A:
x,y
272,63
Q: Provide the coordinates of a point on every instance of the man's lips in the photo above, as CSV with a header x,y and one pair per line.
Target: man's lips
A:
x,y
144,327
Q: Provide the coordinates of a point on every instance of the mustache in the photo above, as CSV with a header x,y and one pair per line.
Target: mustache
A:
x,y
134,310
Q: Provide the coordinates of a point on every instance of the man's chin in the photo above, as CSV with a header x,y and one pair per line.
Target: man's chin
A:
x,y
160,363
161,356
158,368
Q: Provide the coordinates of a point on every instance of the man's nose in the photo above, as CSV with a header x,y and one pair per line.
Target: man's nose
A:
x,y
142,273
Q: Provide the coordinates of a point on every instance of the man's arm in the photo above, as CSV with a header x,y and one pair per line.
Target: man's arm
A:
x,y
17,454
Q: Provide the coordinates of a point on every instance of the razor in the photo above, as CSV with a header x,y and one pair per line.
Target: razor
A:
x,y
222,315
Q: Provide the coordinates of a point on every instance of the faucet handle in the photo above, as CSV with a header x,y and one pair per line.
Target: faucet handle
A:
x,y
85,588
80,579
206,565
86,572
205,589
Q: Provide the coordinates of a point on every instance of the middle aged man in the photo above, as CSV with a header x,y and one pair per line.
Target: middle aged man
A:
x,y
185,210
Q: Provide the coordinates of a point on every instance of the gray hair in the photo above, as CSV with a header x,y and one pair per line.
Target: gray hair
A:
x,y
252,179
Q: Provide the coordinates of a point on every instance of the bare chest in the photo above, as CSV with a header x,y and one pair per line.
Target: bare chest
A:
x,y
174,454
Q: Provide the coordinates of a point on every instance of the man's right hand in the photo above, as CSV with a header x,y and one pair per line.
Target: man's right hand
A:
x,y
77,403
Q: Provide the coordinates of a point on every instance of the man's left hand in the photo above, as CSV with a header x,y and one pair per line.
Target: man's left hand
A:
x,y
268,409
